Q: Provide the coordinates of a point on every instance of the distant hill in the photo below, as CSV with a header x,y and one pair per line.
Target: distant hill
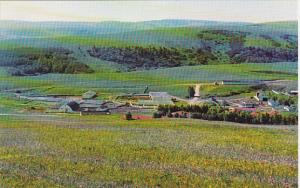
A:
x,y
157,43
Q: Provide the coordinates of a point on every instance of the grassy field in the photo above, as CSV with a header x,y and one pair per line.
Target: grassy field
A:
x,y
73,151
107,81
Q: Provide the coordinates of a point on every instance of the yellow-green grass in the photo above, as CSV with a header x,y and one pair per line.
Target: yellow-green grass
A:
x,y
224,90
91,41
74,151
259,42
185,32
173,80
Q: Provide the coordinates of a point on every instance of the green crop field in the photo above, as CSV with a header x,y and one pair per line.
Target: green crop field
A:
x,y
173,80
108,151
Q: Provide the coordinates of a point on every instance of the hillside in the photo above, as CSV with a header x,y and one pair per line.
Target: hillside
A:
x,y
153,44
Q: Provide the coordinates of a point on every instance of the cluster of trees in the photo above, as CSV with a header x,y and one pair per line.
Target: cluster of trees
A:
x,y
263,55
247,117
222,36
138,57
283,99
57,63
49,61
215,46
239,53
292,40
218,113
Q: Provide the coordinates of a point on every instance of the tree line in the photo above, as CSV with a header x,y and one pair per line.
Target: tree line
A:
x,y
218,113
147,57
49,61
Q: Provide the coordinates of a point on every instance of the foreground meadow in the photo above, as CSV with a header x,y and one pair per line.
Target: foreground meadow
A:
x,y
106,151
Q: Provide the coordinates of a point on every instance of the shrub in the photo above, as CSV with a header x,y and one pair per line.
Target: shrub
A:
x,y
128,116
196,115
157,115
170,115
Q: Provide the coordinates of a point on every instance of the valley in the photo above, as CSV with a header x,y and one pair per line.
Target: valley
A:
x,y
164,103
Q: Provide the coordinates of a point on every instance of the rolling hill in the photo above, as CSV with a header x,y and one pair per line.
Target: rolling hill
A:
x,y
152,44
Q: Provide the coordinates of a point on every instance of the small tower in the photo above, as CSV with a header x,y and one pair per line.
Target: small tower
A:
x,y
197,90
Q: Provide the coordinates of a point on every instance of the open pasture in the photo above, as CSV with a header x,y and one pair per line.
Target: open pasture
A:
x,y
173,80
95,151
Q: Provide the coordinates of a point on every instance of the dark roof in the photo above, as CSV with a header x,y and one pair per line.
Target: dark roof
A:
x,y
73,105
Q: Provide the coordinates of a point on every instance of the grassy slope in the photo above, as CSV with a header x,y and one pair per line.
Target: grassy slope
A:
x,y
108,81
186,36
173,80
83,152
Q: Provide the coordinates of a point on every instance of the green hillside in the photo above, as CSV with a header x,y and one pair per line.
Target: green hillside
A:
x,y
166,54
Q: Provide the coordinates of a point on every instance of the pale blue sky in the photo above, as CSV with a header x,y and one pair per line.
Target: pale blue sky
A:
x,y
222,10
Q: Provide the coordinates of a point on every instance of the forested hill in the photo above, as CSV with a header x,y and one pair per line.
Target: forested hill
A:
x,y
157,44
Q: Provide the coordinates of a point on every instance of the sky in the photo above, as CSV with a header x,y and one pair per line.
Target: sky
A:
x,y
94,11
